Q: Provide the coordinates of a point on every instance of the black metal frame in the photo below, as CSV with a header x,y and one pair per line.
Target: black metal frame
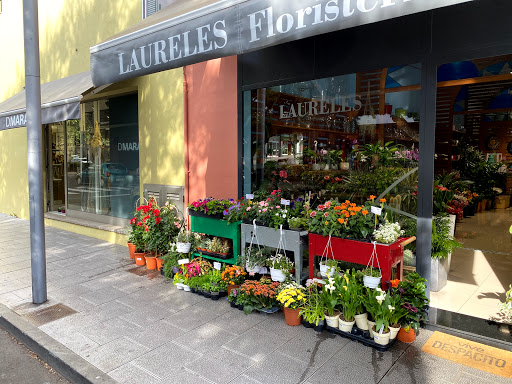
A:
x,y
475,29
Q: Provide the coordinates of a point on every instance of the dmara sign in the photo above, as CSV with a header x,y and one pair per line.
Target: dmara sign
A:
x,y
233,27
16,121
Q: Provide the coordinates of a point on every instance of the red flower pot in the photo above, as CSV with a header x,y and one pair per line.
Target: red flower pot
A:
x,y
291,316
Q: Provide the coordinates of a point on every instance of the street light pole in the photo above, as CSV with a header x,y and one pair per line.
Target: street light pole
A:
x,y
34,151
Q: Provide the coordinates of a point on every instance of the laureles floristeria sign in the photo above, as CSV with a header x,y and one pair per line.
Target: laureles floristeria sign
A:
x,y
234,27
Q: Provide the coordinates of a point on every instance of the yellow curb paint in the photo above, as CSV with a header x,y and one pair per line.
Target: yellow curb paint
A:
x,y
476,355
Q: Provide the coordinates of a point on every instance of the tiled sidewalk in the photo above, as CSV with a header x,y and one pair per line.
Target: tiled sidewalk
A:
x,y
140,329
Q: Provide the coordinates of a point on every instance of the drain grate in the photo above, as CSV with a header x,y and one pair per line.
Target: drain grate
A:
x,y
49,314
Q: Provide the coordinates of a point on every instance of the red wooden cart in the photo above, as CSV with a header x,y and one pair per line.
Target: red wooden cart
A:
x,y
389,255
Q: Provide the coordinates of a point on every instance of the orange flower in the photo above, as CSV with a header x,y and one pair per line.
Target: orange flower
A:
x,y
382,200
352,213
337,208
372,197
341,221
394,283
326,222
365,212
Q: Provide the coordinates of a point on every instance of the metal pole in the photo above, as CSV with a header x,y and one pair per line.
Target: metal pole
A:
x,y
34,151
426,168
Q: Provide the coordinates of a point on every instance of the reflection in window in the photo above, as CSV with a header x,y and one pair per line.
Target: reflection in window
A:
x,y
342,137
103,158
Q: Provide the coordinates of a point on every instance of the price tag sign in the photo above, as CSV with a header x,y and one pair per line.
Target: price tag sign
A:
x,y
183,261
217,265
285,202
249,196
377,211
263,270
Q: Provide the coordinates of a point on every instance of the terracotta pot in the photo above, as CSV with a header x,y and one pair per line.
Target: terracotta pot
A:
x,y
150,262
230,287
131,250
406,336
140,258
292,316
159,263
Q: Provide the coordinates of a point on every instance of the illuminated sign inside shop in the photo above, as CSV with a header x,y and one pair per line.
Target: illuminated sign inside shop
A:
x,y
320,107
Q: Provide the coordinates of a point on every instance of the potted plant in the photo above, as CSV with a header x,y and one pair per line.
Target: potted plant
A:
x,y
260,295
184,241
372,277
349,301
214,292
292,297
382,309
415,302
313,311
331,298
253,259
233,276
178,280
232,297
328,267
297,223
280,267
387,233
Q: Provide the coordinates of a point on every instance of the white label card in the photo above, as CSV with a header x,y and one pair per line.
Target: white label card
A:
x,y
183,261
217,265
377,211
381,330
263,270
249,196
285,202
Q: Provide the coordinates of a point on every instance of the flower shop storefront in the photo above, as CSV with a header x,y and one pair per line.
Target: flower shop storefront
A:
x,y
336,133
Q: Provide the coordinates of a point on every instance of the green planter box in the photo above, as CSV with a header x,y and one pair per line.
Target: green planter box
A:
x,y
220,228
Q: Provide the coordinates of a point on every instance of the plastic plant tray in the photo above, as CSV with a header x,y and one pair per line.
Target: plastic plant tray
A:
x,y
361,336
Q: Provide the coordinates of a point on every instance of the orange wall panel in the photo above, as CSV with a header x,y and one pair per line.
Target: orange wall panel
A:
x,y
212,129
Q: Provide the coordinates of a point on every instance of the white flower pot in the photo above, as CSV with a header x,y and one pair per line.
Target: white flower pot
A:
x,y
255,269
393,331
332,321
346,326
183,247
370,327
179,286
381,338
277,275
324,270
186,288
362,321
371,282
316,167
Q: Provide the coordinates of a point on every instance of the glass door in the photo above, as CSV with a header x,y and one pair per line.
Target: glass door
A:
x,y
55,134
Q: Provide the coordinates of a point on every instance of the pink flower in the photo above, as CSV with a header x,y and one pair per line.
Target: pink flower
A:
x,y
328,204
264,209
278,206
321,207
326,214
283,174
248,209
312,214
259,210
273,193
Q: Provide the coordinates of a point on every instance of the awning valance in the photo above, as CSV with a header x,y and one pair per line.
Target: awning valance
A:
x,y
191,31
60,101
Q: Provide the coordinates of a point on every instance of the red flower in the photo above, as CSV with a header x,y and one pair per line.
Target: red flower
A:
x,y
146,228
312,214
326,214
158,220
133,221
156,212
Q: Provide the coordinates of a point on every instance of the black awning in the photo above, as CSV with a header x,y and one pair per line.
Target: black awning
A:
x,y
195,32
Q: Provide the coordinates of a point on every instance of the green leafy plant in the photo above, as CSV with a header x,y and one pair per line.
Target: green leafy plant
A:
x,y
506,306
442,242
314,308
349,292
414,301
372,272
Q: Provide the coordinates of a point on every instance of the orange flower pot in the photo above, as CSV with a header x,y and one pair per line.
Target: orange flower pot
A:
x,y
291,316
150,262
140,258
406,336
159,263
131,250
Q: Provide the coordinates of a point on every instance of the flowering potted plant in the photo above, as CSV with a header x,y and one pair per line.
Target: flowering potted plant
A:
x,y
328,267
387,233
260,295
331,299
292,297
415,302
280,267
349,301
210,207
233,275
379,304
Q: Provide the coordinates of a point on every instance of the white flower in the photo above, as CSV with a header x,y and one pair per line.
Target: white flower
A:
x,y
330,287
391,308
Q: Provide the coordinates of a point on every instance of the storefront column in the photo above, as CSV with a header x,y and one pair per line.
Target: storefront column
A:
x,y
426,168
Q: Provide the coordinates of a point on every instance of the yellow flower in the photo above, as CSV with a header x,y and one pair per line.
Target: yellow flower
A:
x,y
345,287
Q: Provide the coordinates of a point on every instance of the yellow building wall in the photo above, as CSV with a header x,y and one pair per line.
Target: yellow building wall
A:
x,y
67,29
